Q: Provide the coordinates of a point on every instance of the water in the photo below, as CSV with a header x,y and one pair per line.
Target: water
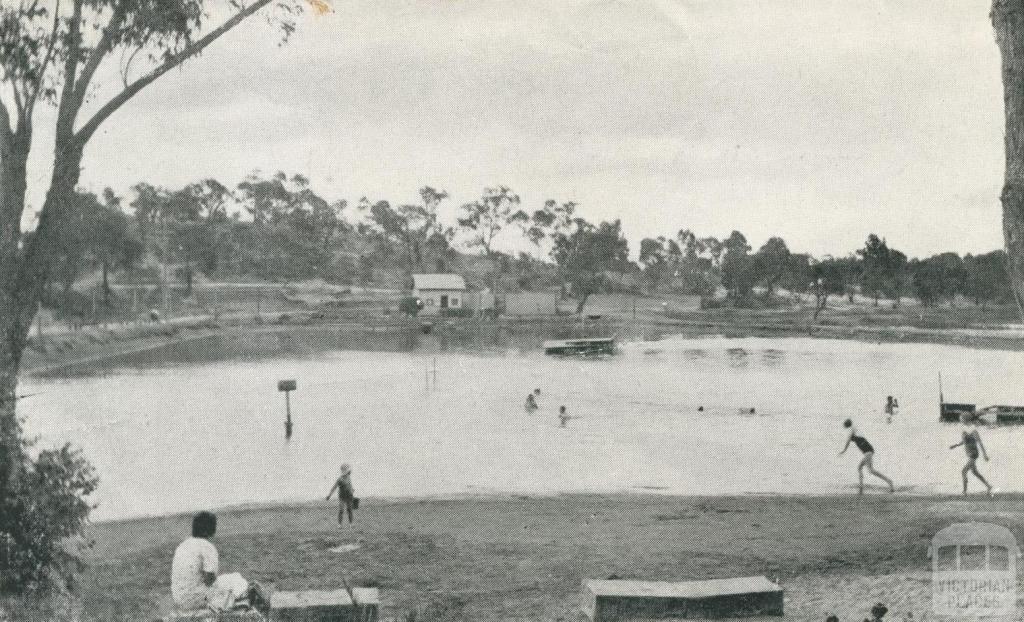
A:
x,y
167,439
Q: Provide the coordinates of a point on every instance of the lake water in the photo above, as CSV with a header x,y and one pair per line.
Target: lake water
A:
x,y
177,438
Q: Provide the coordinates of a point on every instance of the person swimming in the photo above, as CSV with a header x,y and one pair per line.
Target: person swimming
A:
x,y
971,441
868,460
892,408
531,403
563,416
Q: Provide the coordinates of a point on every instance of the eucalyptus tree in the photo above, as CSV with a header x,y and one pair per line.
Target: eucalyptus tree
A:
x,y
67,54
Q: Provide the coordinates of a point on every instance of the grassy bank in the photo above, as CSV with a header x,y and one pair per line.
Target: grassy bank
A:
x,y
523,558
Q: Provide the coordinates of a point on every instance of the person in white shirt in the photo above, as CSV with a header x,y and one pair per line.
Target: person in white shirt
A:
x,y
195,583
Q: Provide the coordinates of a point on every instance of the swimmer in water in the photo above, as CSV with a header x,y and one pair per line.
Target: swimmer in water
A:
x,y
972,443
867,461
531,403
563,416
892,407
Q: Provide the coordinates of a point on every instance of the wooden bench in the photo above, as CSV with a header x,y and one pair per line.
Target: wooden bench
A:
x,y
612,601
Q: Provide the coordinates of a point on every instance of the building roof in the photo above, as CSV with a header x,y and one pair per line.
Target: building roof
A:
x,y
438,281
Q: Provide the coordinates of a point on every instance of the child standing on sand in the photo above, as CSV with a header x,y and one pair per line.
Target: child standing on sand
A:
x,y
867,461
346,494
972,442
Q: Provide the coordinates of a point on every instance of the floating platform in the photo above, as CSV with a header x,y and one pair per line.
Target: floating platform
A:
x,y
1002,414
590,346
953,413
743,597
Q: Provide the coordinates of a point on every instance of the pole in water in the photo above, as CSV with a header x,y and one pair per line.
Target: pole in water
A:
x,y
435,372
287,386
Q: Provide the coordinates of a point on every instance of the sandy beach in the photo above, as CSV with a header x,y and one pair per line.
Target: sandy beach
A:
x,y
524,558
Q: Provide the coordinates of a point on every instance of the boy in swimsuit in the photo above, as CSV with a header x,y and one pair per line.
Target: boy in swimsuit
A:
x,y
972,442
346,494
867,461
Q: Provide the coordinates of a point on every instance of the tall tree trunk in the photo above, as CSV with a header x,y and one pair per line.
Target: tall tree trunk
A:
x,y
106,284
23,275
1008,21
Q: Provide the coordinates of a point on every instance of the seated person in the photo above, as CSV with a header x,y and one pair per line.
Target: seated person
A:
x,y
194,580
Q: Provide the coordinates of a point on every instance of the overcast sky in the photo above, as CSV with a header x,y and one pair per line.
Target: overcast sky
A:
x,y
817,121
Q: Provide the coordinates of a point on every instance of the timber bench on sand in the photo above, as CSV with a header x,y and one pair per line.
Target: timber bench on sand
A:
x,y
743,597
361,604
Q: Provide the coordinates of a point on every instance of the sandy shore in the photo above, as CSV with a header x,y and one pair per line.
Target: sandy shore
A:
x,y
523,558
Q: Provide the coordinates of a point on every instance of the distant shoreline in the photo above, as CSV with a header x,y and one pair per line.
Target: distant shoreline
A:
x,y
97,346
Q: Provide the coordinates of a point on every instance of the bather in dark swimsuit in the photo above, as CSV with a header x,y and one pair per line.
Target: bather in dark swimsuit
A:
x,y
862,443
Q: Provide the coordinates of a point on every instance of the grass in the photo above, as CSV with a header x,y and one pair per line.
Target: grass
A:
x,y
519,558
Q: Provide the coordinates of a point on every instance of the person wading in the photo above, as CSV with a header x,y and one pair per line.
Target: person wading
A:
x,y
868,460
972,443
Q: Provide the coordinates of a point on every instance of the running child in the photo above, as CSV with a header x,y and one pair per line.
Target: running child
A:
x,y
867,461
972,442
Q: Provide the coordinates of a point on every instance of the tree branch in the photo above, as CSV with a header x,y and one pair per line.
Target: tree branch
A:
x,y
65,113
48,58
122,98
104,46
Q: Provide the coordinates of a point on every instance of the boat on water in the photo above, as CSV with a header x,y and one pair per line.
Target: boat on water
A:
x,y
589,346
952,412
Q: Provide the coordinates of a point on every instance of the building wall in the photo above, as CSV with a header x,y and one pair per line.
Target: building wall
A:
x,y
432,299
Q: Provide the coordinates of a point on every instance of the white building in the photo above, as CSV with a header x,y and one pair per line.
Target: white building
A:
x,y
439,291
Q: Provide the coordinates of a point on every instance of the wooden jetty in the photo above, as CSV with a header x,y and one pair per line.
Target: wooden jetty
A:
x,y
590,346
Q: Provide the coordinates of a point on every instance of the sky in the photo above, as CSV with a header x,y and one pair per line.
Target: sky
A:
x,y
815,120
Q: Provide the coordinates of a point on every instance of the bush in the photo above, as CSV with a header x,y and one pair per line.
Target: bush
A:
x,y
410,305
42,517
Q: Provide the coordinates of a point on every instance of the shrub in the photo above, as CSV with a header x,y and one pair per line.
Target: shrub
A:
x,y
42,516
410,305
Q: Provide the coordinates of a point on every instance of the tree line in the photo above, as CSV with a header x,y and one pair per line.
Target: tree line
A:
x,y
278,227
703,265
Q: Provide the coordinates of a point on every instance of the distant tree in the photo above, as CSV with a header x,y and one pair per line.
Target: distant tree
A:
x,y
986,279
586,253
97,234
292,226
797,276
737,266
770,264
485,218
876,277
654,260
828,278
937,278
899,281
